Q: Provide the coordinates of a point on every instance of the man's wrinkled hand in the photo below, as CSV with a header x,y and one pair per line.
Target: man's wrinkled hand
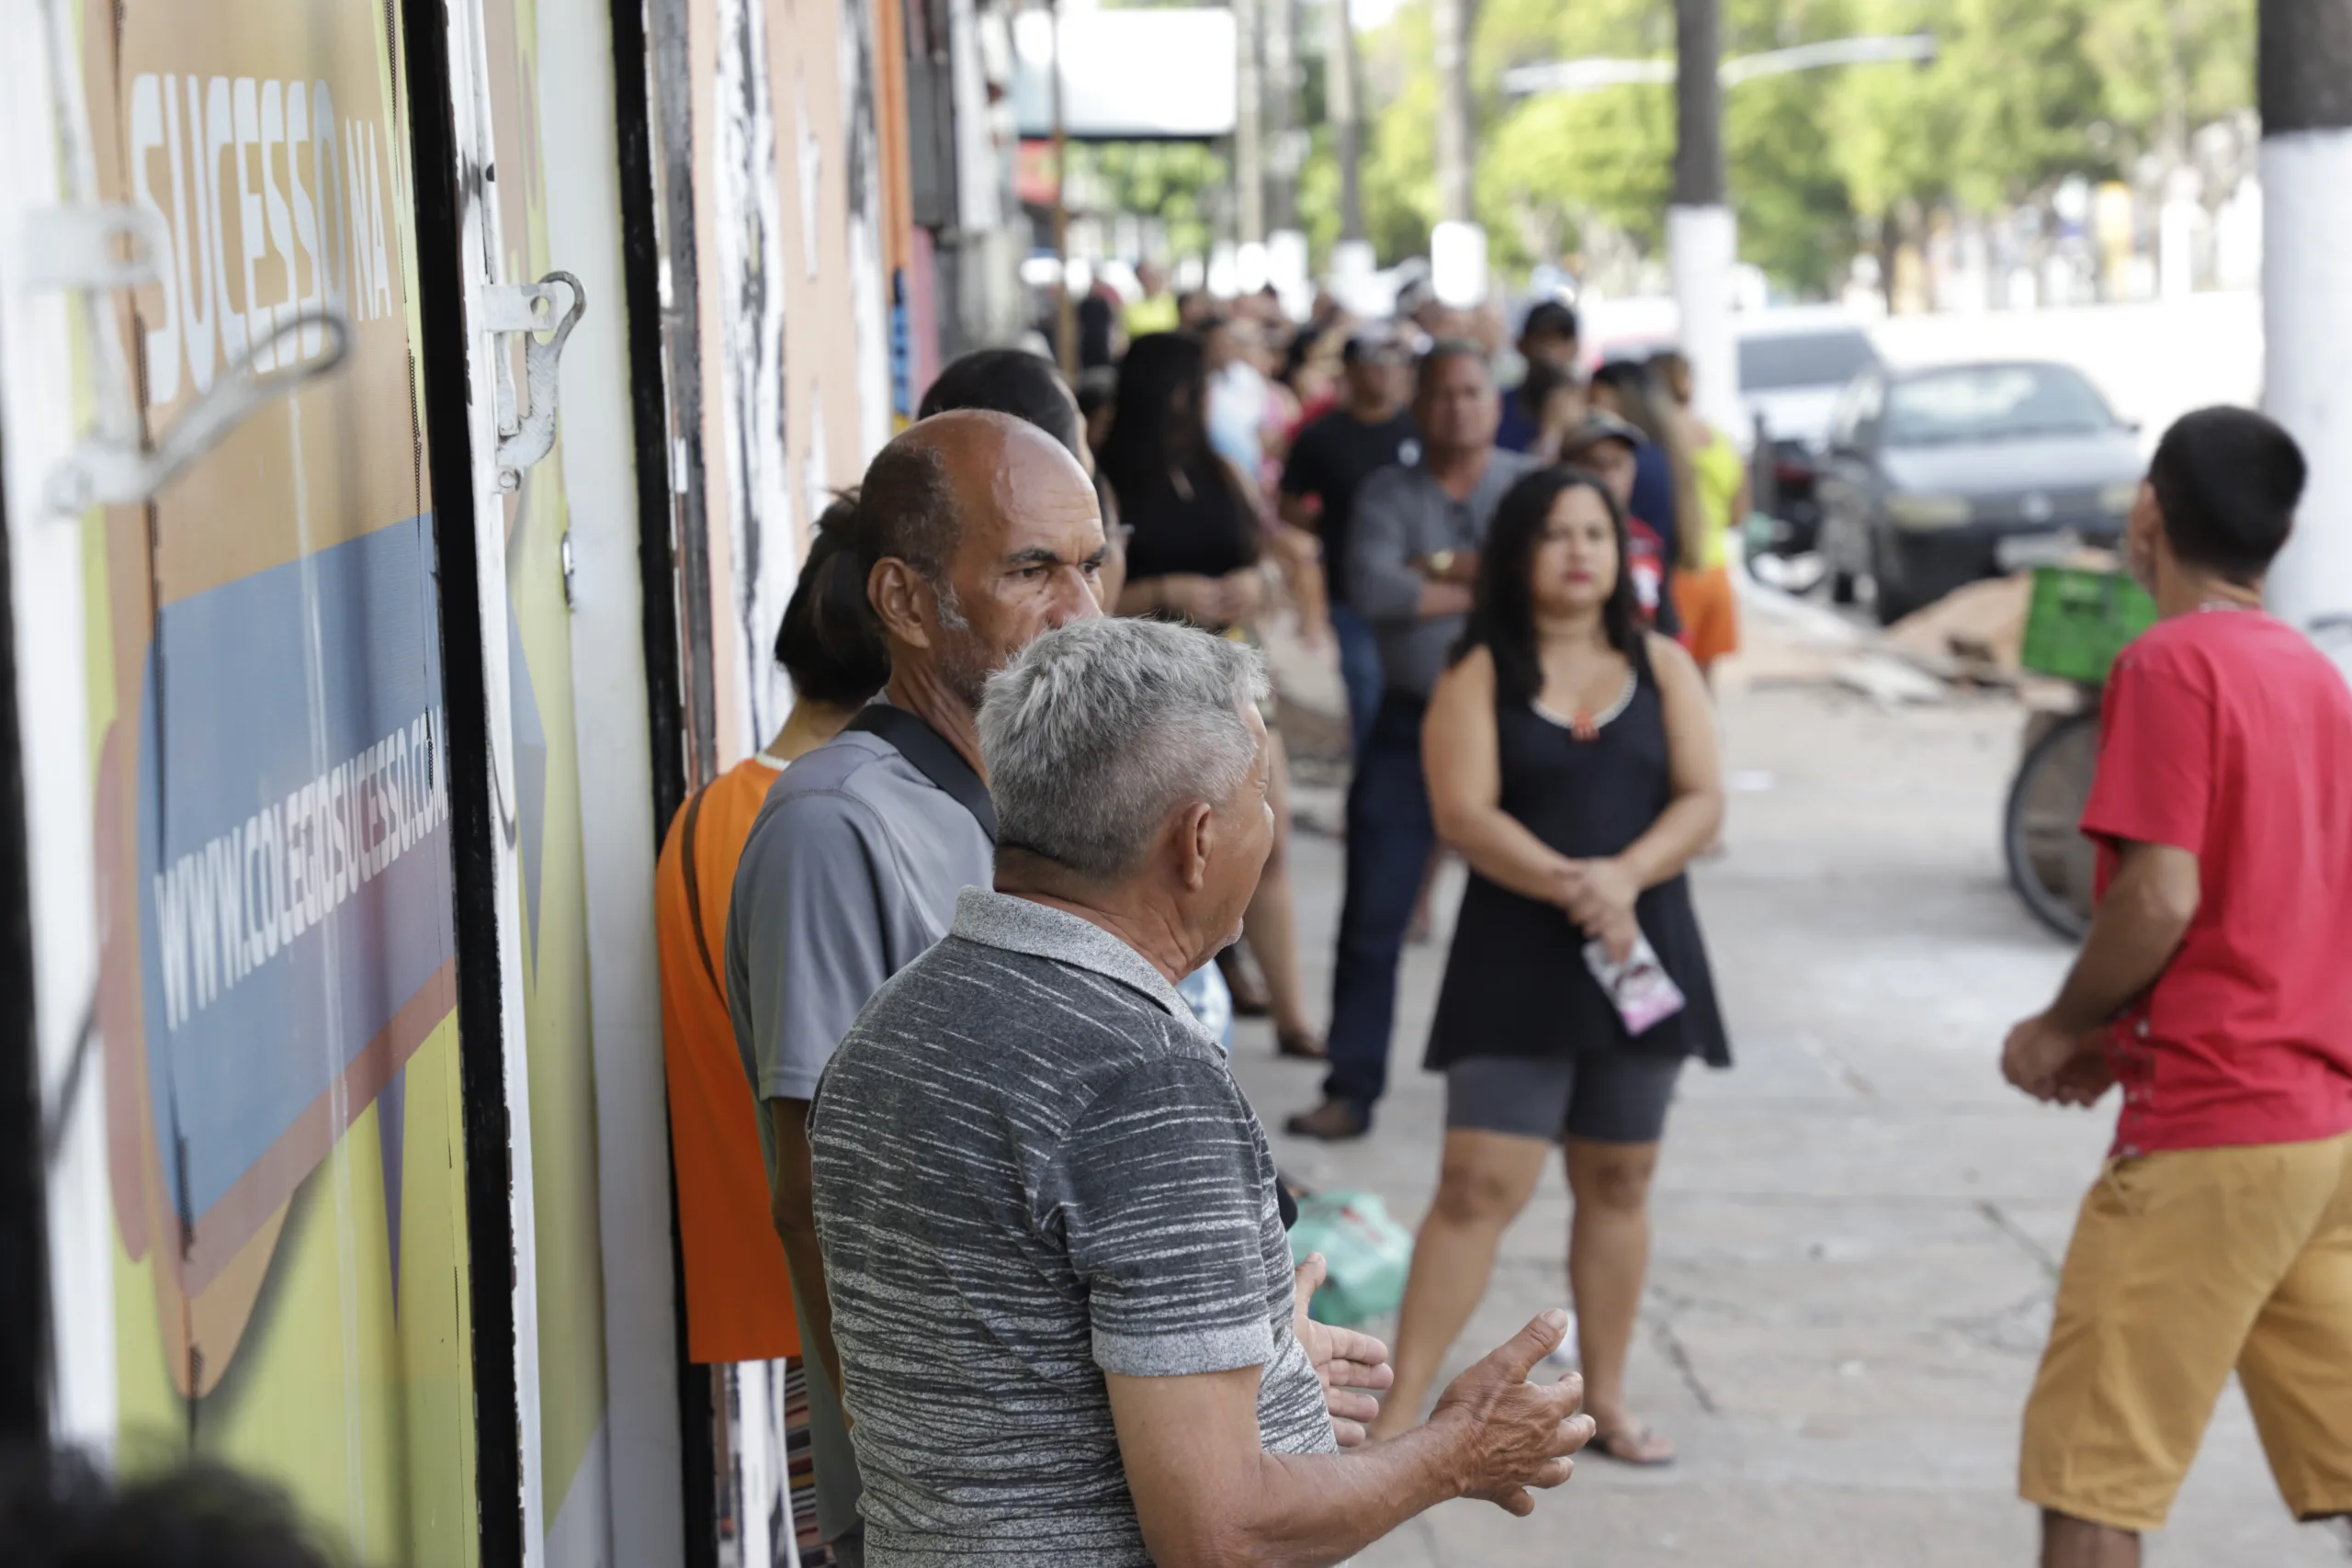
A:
x,y
1354,1367
1515,1435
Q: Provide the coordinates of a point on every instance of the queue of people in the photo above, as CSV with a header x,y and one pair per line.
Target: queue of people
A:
x,y
835,1227
956,1136
980,1129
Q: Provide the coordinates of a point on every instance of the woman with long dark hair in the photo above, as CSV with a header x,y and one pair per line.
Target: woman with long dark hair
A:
x,y
1571,760
1193,555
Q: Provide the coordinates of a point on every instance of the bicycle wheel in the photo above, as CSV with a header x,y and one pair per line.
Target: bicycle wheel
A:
x,y
2052,865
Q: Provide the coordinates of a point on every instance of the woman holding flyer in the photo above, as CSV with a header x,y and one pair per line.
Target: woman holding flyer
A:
x,y
1571,760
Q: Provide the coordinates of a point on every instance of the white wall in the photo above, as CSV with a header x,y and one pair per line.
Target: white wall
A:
x,y
617,844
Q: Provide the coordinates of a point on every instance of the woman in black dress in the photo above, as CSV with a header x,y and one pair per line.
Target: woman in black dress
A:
x,y
1193,555
1571,760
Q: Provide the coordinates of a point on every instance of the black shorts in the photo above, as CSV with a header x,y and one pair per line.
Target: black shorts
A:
x,y
1602,1097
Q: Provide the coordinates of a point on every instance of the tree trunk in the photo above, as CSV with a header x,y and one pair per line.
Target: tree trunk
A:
x,y
1698,104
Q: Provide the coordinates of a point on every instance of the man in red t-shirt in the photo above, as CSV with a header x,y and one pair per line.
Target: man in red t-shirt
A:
x,y
2215,990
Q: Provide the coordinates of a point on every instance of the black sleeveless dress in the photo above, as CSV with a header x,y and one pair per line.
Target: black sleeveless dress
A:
x,y
1516,982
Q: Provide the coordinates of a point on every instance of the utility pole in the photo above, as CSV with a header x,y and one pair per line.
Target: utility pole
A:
x,y
1452,20
2303,86
1702,243
1249,126
1064,306
1282,115
1347,130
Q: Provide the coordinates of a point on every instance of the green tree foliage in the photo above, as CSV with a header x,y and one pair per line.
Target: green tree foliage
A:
x,y
2188,59
1796,219
1183,184
2021,93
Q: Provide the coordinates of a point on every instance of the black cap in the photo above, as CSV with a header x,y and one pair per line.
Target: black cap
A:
x,y
1550,318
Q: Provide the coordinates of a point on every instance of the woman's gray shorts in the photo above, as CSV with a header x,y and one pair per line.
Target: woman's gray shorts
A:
x,y
1604,1097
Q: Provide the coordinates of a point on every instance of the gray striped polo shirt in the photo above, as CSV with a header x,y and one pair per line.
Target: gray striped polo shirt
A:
x,y
1032,1168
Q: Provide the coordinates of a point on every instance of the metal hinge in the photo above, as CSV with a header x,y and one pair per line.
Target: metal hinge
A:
x,y
527,433
92,249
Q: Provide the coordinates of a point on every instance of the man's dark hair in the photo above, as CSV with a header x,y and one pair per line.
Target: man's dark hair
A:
x,y
907,511
1637,389
1551,318
58,1511
1542,382
1013,381
830,643
1437,353
2227,481
1097,389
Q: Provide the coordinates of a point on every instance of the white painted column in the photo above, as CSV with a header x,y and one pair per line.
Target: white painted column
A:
x,y
2304,80
39,98
618,843
1703,246
1701,237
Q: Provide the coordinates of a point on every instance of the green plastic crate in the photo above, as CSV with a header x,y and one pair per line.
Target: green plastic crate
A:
x,y
2080,620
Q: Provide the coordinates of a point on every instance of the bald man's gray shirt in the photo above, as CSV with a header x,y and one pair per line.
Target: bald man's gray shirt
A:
x,y
849,875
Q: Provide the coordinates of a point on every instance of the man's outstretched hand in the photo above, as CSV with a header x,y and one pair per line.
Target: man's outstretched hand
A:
x,y
1514,1434
1355,1366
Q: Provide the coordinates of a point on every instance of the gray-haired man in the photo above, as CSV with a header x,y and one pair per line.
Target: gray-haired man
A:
x,y
1068,1328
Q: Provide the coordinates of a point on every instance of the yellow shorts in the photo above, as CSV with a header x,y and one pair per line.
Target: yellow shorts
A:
x,y
2186,1264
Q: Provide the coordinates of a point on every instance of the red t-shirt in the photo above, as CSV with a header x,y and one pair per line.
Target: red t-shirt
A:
x,y
2227,734
1646,558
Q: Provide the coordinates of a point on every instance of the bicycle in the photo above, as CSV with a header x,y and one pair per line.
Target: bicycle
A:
x,y
2079,622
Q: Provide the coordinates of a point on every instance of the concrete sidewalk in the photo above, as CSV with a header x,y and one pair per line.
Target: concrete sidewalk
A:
x,y
1856,1228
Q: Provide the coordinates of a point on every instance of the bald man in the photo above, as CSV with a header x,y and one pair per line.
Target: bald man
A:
x,y
977,533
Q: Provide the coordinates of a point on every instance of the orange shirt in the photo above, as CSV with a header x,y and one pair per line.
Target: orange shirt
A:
x,y
739,1294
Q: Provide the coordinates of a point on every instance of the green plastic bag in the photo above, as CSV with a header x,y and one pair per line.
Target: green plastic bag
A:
x,y
1368,1255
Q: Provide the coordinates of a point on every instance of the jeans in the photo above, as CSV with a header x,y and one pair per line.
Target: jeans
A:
x,y
1390,838
1359,672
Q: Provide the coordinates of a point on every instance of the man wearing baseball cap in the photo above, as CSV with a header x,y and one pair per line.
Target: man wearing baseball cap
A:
x,y
1550,335
1608,447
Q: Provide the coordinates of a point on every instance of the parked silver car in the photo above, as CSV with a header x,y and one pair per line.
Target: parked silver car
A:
x,y
1939,477
1792,364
